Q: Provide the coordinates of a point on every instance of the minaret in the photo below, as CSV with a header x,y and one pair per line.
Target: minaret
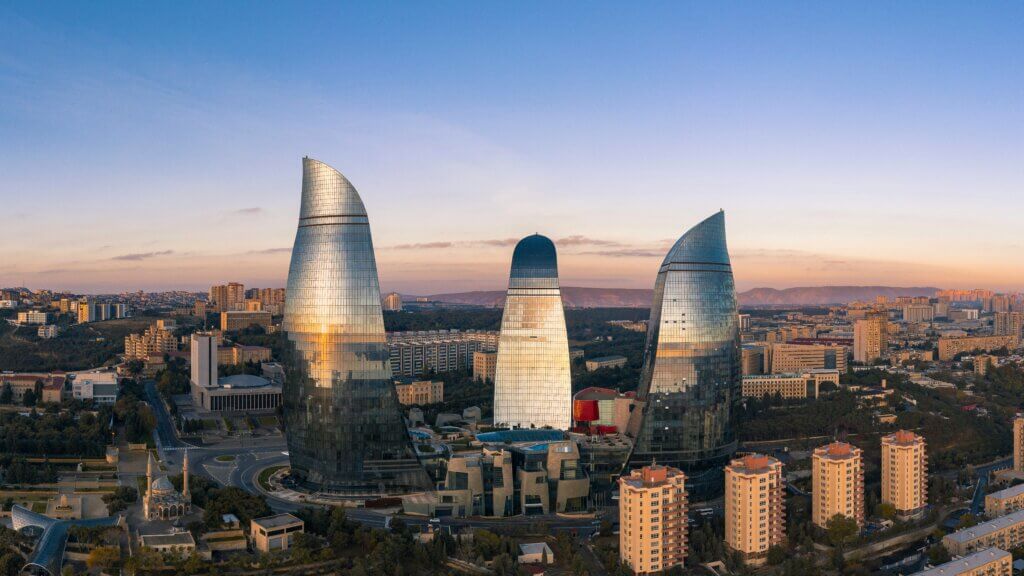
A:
x,y
184,478
149,475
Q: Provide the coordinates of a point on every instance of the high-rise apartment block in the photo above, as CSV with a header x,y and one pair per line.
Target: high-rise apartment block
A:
x,y
918,313
1018,443
837,476
754,509
484,363
230,296
1008,324
393,302
413,353
203,360
652,519
904,472
870,338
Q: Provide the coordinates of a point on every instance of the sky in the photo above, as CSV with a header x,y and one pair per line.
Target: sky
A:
x,y
158,145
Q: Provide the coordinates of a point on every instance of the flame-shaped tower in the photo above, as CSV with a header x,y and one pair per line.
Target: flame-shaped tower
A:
x,y
343,423
691,377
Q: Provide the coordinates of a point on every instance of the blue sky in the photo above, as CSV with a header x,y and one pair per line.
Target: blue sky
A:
x,y
158,145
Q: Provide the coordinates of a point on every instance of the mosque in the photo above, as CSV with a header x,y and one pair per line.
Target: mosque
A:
x,y
162,501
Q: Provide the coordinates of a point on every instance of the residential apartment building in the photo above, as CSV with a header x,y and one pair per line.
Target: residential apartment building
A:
x,y
837,477
484,364
1018,443
795,358
413,353
1008,324
419,391
870,338
225,297
988,562
904,472
157,340
1005,532
918,313
392,302
233,320
752,359
949,347
983,362
32,317
1003,502
805,385
754,509
652,519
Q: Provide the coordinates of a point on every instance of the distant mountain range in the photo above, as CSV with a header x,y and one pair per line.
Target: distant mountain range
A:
x,y
576,297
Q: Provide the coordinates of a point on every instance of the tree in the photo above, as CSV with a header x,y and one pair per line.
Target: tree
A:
x,y
885,510
29,399
841,529
777,555
7,395
103,558
966,521
938,554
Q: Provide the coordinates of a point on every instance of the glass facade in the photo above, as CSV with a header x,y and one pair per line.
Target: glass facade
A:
x,y
691,377
532,383
343,423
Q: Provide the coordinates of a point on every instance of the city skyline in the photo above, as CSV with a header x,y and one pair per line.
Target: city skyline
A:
x,y
838,165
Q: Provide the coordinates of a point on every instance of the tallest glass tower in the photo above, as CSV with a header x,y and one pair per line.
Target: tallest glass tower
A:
x,y
691,376
343,423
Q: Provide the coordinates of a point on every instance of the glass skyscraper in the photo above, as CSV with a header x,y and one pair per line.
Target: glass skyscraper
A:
x,y
691,377
343,423
532,383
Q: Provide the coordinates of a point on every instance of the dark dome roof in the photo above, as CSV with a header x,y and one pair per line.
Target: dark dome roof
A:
x,y
535,257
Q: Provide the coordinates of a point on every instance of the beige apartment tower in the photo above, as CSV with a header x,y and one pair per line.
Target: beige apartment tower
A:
x,y
870,338
652,519
754,510
837,476
904,472
1018,443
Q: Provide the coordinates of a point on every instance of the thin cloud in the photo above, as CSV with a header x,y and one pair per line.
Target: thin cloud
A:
x,y
422,246
142,255
270,250
254,211
578,240
627,253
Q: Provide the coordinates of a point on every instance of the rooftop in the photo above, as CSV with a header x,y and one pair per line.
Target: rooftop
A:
x,y
837,451
969,562
753,463
276,521
173,539
1007,492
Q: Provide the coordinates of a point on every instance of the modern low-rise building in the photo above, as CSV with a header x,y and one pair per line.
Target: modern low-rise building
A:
x,y
238,393
275,532
602,410
802,385
180,544
988,562
22,382
837,476
793,357
652,519
100,386
754,508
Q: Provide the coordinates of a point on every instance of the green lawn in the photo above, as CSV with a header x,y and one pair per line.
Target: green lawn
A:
x,y
268,420
225,458
265,475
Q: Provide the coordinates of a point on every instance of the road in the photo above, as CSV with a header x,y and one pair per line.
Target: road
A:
x,y
253,454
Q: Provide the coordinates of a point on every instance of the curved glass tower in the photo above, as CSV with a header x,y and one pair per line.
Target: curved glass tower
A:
x,y
691,377
532,383
343,423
